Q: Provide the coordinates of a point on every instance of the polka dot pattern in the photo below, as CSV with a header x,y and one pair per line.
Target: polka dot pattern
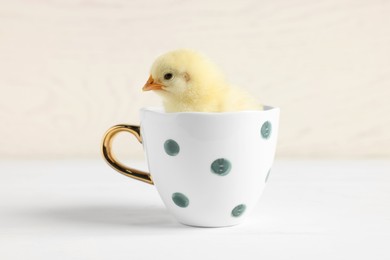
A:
x,y
180,200
221,167
238,210
266,129
171,147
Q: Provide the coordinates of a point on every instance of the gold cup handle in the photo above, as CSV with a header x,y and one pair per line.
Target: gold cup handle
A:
x,y
113,162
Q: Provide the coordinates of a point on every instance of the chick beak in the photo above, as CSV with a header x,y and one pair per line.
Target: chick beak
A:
x,y
151,85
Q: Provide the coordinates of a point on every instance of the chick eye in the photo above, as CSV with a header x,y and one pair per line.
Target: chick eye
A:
x,y
168,76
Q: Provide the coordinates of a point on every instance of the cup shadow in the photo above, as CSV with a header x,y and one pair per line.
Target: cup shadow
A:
x,y
111,216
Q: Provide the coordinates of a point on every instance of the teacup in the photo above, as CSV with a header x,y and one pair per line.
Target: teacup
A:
x,y
209,168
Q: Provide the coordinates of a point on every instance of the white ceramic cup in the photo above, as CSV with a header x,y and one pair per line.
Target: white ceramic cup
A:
x,y
209,168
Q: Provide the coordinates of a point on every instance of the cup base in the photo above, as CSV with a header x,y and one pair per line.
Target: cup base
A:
x,y
210,226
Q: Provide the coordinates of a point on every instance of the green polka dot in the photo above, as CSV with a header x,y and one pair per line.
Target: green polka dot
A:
x,y
171,147
266,178
238,210
266,130
180,199
221,166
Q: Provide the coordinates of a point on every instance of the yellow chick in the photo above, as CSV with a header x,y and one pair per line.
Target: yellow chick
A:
x,y
188,81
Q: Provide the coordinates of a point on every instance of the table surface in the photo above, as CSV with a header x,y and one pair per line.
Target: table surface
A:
x,y
84,210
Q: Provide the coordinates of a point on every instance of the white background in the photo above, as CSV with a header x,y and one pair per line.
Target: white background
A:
x,y
71,69
81,210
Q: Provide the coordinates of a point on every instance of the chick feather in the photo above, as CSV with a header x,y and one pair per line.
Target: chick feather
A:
x,y
188,81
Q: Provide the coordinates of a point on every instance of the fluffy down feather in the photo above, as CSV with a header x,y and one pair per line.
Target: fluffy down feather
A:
x,y
188,81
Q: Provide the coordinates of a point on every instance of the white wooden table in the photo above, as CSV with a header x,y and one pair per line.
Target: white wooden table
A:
x,y
84,210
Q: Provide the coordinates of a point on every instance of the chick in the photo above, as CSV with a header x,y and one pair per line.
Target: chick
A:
x,y
187,81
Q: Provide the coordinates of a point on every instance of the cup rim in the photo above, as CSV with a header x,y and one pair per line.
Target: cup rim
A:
x,y
160,110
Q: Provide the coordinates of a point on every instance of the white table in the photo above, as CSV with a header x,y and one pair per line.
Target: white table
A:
x,y
84,210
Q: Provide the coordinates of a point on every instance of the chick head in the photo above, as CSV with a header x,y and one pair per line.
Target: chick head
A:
x,y
182,73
